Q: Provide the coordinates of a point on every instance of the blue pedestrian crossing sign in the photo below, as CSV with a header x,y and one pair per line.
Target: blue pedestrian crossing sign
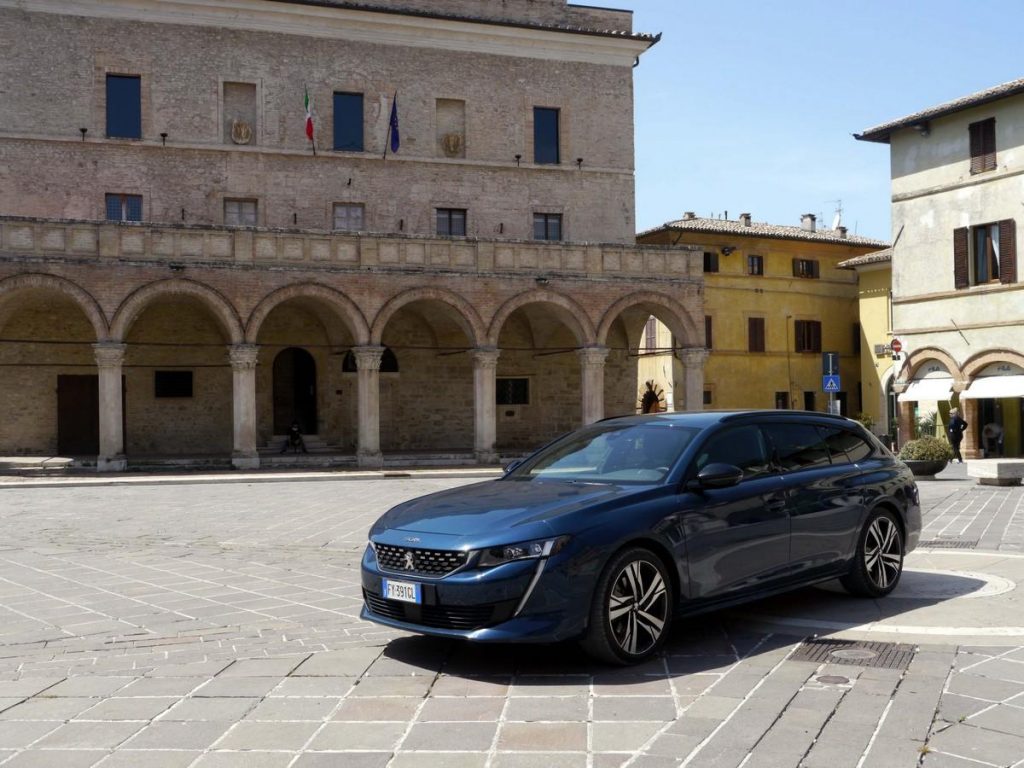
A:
x,y
830,383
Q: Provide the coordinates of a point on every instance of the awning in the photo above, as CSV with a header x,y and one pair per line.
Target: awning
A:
x,y
938,388
994,386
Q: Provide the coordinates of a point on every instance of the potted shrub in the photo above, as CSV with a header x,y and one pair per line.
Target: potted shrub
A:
x,y
926,455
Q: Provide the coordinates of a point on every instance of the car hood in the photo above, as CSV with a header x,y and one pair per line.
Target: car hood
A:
x,y
492,508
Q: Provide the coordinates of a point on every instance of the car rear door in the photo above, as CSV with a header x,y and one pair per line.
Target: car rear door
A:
x,y
738,537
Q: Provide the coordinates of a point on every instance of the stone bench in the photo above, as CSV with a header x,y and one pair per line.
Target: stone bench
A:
x,y
996,471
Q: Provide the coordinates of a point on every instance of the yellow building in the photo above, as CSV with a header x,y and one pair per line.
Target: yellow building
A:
x,y
775,300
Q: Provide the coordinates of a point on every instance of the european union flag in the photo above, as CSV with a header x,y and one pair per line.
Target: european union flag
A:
x,y
393,125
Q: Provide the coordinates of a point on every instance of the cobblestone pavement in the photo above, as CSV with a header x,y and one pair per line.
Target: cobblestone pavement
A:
x,y
217,625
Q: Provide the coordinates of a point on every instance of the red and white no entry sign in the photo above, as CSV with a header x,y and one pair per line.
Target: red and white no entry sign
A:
x,y
897,346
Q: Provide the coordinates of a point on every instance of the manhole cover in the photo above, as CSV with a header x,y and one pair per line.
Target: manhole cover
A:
x,y
856,653
947,544
833,680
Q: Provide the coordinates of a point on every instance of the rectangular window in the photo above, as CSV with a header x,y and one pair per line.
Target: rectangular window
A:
x,y
451,222
651,334
512,391
985,254
708,397
240,213
809,401
545,136
755,265
172,383
806,268
348,216
708,335
808,335
710,261
983,145
124,106
348,122
124,207
782,401
755,334
547,226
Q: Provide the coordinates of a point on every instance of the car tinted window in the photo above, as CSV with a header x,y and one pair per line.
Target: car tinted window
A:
x,y
845,445
743,447
798,446
622,453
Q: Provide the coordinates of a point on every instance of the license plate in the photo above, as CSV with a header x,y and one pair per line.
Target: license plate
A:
x,y
403,591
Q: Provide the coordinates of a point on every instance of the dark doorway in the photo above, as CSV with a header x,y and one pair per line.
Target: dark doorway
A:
x,y
295,391
78,415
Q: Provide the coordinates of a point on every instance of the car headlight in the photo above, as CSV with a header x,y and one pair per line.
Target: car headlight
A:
x,y
526,550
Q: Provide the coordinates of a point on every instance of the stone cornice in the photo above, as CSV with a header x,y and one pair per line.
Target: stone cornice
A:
x,y
359,25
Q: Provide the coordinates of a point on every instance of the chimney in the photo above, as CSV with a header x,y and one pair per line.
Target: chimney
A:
x,y
842,232
689,216
807,222
745,219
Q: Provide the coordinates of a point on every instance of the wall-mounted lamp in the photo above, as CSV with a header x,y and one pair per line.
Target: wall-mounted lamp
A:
x,y
579,162
923,128
401,224
501,228
541,280
182,214
727,249
84,131
518,158
163,138
176,267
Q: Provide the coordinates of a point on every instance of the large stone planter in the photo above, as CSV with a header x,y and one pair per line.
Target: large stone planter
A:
x,y
926,468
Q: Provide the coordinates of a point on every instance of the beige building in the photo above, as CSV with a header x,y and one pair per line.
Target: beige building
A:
x,y
184,274
958,303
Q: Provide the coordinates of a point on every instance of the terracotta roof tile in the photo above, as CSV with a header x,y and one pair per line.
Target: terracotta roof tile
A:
x,y
760,229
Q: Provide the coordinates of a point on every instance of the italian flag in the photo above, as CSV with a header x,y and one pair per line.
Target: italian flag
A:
x,y
309,115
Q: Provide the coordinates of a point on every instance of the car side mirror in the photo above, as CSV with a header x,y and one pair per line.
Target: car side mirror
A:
x,y
716,476
513,465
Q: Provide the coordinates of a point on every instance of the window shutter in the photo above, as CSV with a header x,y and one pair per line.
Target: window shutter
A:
x,y
815,336
961,266
796,267
988,144
707,331
816,269
1007,251
976,151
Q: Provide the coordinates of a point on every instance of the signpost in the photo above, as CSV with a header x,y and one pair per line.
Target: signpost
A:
x,y
896,346
830,382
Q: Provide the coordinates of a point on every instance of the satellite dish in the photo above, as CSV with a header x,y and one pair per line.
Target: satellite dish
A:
x,y
837,220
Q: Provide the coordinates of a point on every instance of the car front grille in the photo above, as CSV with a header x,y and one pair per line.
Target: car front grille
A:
x,y
424,562
462,617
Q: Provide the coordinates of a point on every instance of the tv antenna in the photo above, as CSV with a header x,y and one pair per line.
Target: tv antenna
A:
x,y
837,220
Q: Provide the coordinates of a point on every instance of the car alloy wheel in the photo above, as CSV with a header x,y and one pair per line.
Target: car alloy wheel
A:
x,y
632,608
878,563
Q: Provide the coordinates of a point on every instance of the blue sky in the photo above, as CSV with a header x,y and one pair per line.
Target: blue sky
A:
x,y
750,106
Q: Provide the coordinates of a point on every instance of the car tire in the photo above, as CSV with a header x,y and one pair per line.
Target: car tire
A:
x,y
878,561
632,608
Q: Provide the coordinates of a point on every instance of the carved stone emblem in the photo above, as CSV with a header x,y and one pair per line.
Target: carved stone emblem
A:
x,y
241,132
452,144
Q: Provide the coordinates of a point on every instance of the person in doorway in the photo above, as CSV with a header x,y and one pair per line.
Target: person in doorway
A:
x,y
955,431
294,439
992,437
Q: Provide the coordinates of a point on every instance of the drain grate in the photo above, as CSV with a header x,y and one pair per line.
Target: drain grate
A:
x,y
859,654
947,544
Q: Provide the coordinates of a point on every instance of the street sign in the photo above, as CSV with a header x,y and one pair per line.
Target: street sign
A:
x,y
829,364
896,346
830,383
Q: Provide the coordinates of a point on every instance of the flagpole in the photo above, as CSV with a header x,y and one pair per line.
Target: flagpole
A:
x,y
387,138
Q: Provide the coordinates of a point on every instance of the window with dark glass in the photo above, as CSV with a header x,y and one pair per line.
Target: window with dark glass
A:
x,y
743,447
512,391
782,401
985,254
844,446
124,106
451,222
547,226
348,122
755,265
710,261
807,336
806,268
124,207
545,136
708,397
755,334
809,399
798,446
983,145
172,383
708,332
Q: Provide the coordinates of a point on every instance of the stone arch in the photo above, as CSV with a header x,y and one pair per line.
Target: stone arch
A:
x,y
467,317
82,298
133,306
675,316
339,302
571,313
974,365
920,356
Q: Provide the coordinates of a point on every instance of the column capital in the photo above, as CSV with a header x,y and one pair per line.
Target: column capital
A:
x,y
243,356
368,358
109,354
485,357
592,357
693,357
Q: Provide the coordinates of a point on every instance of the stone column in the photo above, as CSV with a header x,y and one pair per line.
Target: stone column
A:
x,y
368,360
485,367
243,377
592,382
971,447
693,377
109,360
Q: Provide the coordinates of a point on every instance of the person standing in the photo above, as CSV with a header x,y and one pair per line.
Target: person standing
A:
x,y
955,430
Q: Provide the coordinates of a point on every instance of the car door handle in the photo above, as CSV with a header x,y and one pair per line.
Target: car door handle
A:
x,y
775,502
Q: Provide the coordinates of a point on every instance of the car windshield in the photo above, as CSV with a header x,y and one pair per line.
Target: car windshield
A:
x,y
610,453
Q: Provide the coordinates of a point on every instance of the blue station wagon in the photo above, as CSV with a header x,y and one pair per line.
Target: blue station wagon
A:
x,y
612,531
